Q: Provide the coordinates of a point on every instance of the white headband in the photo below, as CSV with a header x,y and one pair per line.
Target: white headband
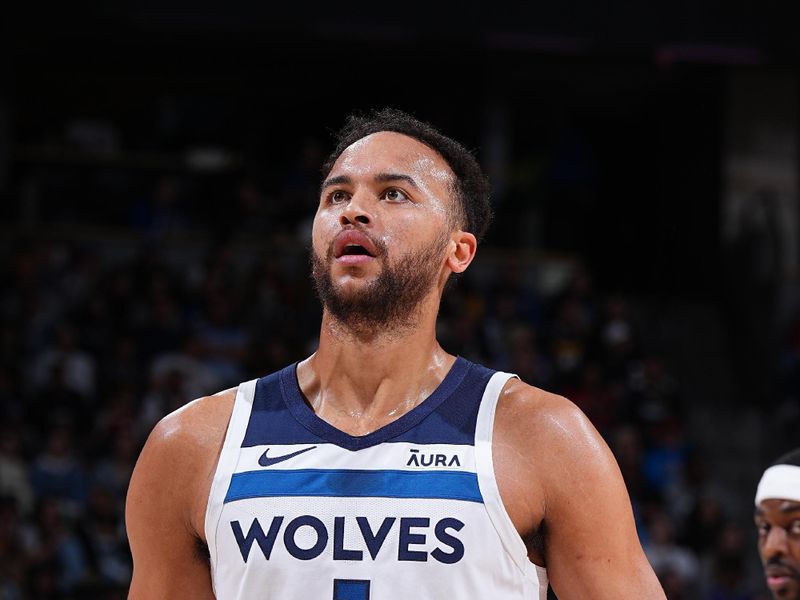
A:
x,y
779,482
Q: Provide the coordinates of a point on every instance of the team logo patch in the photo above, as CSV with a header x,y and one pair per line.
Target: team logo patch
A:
x,y
266,461
420,459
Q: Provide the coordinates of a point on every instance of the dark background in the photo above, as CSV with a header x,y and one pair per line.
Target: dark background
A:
x,y
159,167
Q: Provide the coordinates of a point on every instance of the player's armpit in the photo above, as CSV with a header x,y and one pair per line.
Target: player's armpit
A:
x,y
161,513
592,550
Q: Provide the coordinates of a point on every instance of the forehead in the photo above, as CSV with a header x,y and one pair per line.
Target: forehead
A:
x,y
391,152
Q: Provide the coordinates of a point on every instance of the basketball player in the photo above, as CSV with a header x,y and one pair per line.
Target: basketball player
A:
x,y
778,522
382,467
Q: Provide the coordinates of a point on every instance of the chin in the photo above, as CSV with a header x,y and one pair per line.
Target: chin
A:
x,y
790,591
349,287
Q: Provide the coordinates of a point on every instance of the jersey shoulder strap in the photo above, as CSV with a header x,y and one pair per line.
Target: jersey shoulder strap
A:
x,y
226,465
484,463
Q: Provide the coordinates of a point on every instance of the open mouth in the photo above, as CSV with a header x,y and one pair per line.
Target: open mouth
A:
x,y
355,250
352,245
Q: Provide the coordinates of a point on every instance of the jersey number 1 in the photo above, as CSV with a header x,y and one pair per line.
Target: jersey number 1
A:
x,y
350,589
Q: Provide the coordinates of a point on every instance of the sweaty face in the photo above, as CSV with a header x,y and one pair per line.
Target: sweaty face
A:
x,y
778,523
381,231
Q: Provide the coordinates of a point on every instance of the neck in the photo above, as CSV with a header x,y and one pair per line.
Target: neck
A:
x,y
360,383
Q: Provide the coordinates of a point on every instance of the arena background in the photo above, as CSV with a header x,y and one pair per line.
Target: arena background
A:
x,y
159,167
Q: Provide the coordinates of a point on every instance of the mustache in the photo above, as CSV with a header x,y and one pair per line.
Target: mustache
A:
x,y
777,561
380,245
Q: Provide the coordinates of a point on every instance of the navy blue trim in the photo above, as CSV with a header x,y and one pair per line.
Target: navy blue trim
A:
x,y
271,422
343,483
293,397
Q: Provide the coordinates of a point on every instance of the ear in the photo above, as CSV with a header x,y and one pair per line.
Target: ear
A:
x,y
463,246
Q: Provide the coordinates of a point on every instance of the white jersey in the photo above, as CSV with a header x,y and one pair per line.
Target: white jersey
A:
x,y
300,510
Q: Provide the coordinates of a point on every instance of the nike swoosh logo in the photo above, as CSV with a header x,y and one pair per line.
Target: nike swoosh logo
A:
x,y
266,461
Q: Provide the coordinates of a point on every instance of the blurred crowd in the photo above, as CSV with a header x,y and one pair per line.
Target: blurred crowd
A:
x,y
96,349
195,283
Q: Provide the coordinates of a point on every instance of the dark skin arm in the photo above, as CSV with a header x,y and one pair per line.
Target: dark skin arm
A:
x,y
167,498
563,489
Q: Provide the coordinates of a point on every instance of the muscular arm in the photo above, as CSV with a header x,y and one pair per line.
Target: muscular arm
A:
x,y
573,492
165,508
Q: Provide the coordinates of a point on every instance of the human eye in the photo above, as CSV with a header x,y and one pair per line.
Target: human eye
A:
x,y
763,528
337,197
794,528
396,195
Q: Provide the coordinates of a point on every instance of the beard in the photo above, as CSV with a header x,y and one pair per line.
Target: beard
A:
x,y
391,301
791,589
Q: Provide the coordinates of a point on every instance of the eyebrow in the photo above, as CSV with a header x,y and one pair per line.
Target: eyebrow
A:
x,y
790,508
379,178
387,177
785,509
338,180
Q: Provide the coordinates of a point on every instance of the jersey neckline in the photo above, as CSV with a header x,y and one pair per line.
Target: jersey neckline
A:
x,y
303,413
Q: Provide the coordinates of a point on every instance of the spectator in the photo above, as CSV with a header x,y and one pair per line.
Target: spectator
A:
x,y
14,480
676,567
58,474
77,367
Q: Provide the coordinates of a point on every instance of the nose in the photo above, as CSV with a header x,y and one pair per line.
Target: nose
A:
x,y
356,211
775,544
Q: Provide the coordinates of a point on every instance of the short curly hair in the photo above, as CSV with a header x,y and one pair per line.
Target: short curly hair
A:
x,y
471,187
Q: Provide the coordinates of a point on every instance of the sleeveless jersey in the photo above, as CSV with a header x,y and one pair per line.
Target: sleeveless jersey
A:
x,y
301,510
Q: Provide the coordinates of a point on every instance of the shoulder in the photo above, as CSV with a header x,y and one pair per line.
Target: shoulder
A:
x,y
553,438
180,456
524,410
193,431
558,477
167,496
198,423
